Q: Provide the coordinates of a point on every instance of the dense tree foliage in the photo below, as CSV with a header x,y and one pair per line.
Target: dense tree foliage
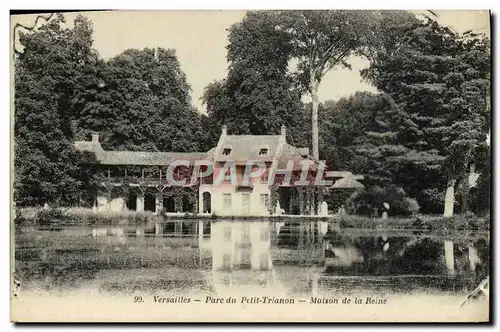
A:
x,y
353,129
47,168
481,193
438,81
416,139
260,85
258,95
138,100
359,134
371,201
321,40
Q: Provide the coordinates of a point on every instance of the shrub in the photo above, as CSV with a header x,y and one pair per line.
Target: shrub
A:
x,y
93,220
467,221
21,221
372,199
50,217
141,218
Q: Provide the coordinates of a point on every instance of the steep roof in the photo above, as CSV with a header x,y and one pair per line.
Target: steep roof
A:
x,y
238,148
349,182
136,157
247,147
148,158
290,152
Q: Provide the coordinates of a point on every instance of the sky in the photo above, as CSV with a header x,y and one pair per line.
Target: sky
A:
x,y
200,39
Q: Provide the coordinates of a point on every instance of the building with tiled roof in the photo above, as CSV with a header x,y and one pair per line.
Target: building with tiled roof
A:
x,y
133,180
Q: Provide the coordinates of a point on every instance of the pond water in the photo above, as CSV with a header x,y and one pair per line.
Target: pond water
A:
x,y
298,259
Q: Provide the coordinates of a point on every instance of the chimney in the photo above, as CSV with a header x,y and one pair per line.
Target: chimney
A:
x,y
95,137
283,130
224,130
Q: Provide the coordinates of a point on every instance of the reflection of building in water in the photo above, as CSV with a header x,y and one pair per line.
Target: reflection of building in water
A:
x,y
298,243
241,245
252,257
139,180
246,257
241,257
300,235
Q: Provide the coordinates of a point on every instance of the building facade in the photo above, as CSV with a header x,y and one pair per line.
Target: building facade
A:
x,y
232,179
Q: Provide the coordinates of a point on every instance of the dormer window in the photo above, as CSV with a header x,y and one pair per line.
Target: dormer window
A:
x,y
263,152
226,152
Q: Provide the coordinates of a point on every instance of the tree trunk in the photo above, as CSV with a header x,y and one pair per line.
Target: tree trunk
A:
x,y
314,116
465,194
466,188
449,198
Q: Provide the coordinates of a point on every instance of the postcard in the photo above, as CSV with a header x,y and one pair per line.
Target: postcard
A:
x,y
251,166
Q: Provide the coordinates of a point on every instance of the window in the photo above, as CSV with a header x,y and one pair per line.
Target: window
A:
x,y
246,259
134,173
246,233
227,234
226,280
264,235
226,261
264,201
264,262
227,201
245,200
263,152
264,177
226,152
116,172
150,173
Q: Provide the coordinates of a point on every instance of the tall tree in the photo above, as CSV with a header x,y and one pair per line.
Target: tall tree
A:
x,y
463,124
322,40
258,95
139,100
360,134
428,71
46,165
346,124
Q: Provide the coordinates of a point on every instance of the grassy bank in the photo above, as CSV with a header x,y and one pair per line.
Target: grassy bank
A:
x,y
80,217
420,222
54,218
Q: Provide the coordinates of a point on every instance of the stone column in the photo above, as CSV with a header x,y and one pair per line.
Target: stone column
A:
x,y
449,257
140,203
178,228
200,202
314,284
158,229
139,231
320,231
301,235
200,230
320,201
159,203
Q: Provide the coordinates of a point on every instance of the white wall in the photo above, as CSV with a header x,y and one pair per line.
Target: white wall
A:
x,y
115,205
237,205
